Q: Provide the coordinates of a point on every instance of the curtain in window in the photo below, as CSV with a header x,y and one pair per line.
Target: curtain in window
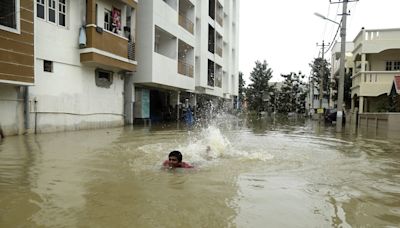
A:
x,y
8,12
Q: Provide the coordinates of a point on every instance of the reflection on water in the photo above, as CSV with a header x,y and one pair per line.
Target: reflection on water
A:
x,y
258,173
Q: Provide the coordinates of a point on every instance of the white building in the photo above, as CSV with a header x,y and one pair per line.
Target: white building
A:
x,y
186,49
81,63
377,62
335,67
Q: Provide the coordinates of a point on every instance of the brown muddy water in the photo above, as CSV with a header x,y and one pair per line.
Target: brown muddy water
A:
x,y
258,174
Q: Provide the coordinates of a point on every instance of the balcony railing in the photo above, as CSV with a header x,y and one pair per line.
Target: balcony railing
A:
x,y
220,20
219,51
185,68
186,23
373,83
218,79
131,50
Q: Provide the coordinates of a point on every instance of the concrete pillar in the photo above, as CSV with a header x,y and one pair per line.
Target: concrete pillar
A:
x,y
363,62
128,101
178,95
361,105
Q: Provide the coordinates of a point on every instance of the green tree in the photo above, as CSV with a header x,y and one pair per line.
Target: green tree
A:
x,y
320,73
242,89
258,91
292,95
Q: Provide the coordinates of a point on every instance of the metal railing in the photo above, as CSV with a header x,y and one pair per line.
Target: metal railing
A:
x,y
131,50
219,51
186,23
185,68
220,20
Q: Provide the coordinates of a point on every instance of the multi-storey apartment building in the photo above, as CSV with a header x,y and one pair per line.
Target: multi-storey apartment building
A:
x,y
16,63
83,55
186,49
377,62
76,56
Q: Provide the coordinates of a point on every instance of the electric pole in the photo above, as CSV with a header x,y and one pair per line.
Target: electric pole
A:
x,y
339,115
321,82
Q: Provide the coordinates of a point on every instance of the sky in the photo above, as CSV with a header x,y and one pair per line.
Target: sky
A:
x,y
285,33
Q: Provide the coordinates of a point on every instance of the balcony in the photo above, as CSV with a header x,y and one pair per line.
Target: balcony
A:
x,y
373,83
186,23
109,39
220,21
107,49
186,15
185,68
219,51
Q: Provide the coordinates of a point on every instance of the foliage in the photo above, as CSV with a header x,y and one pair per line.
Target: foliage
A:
x,y
242,88
320,73
259,90
292,95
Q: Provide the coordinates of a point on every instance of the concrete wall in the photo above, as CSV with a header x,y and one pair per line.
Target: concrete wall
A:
x,y
381,125
11,110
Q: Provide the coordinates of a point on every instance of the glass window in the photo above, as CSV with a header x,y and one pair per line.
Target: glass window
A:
x,y
52,10
388,65
61,12
8,13
40,5
396,65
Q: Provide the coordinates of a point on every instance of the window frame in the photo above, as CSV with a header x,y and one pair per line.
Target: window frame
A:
x,y
17,20
57,12
107,11
44,8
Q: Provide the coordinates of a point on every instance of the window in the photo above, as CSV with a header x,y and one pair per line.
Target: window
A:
x,y
104,78
388,65
9,15
396,65
392,65
54,11
47,66
40,7
107,19
61,12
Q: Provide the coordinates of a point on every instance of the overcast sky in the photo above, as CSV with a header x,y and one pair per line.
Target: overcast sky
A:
x,y
285,33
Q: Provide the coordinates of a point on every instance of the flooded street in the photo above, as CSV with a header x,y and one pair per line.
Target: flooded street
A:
x,y
257,174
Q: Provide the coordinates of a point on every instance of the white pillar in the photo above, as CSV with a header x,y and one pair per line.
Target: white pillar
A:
x,y
361,105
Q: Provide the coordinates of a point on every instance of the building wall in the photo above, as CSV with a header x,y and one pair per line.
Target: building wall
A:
x,y
16,67
156,69
11,109
68,98
16,47
377,62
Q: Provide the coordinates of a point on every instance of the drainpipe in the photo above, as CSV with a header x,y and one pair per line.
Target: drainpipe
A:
x,y
26,108
35,109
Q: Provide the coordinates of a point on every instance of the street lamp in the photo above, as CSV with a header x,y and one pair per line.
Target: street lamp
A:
x,y
342,25
325,18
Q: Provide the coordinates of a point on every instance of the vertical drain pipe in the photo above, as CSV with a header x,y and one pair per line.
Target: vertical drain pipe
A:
x,y
26,108
35,107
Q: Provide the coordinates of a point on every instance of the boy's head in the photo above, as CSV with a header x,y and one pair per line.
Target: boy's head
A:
x,y
175,157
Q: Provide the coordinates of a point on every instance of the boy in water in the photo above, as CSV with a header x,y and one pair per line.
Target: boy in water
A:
x,y
175,161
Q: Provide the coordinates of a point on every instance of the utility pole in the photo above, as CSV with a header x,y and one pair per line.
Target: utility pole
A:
x,y
339,115
321,82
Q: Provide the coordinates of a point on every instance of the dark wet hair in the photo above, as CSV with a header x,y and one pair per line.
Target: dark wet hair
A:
x,y
176,154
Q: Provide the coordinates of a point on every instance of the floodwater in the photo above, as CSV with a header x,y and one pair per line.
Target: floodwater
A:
x,y
257,174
